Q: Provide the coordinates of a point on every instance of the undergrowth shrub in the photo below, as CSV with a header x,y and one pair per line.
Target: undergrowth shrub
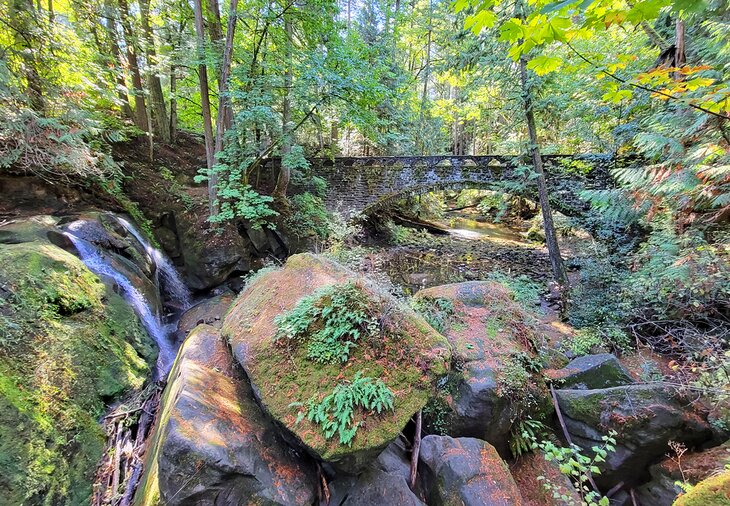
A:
x,y
523,290
309,217
437,311
578,467
335,414
330,322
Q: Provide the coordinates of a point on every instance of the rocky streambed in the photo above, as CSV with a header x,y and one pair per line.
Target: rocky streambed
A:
x,y
314,385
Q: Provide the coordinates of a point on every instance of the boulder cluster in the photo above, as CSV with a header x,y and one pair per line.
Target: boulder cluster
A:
x,y
237,425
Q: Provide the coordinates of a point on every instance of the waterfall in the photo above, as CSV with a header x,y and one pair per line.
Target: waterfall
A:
x,y
172,283
94,260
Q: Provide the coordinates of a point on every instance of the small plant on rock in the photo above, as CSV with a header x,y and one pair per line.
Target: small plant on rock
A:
x,y
335,414
437,311
331,320
577,466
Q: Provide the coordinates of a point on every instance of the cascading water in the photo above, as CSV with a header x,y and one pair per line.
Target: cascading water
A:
x,y
172,283
95,261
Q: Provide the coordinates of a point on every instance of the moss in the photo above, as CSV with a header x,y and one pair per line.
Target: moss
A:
x,y
714,491
407,356
82,347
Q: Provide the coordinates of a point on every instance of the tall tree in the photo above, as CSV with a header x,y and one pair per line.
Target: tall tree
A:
x,y
141,118
205,108
161,121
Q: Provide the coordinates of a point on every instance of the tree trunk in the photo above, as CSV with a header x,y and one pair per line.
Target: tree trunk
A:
x,y
426,73
225,111
173,103
21,18
551,239
282,181
157,98
140,109
679,56
117,63
205,106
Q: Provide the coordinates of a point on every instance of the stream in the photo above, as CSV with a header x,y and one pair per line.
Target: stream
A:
x,y
471,250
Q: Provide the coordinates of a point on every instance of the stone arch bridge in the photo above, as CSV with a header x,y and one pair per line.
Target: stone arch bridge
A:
x,y
362,184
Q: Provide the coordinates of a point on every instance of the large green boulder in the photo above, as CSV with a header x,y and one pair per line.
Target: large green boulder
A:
x,y
213,444
714,491
645,418
396,350
69,347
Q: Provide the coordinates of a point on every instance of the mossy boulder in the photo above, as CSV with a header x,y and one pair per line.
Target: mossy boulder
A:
x,y
494,374
591,372
697,466
465,472
213,444
69,347
407,355
714,491
645,418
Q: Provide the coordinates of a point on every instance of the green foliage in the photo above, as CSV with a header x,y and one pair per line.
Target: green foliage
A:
x,y
238,200
437,311
524,290
577,466
330,321
309,217
335,414
523,435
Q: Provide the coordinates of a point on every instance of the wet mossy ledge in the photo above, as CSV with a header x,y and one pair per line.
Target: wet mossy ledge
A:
x,y
280,328
69,347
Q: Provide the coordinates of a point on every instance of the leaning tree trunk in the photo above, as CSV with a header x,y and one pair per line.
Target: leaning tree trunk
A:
x,y
551,239
117,64
205,106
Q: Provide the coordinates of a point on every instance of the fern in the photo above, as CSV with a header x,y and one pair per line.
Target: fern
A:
x,y
335,414
331,321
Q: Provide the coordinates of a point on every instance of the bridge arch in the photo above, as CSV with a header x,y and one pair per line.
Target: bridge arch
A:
x,y
359,184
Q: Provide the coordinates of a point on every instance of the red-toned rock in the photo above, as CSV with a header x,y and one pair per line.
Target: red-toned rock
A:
x,y
213,444
465,472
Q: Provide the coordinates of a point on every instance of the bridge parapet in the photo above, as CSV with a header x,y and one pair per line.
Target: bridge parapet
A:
x,y
361,184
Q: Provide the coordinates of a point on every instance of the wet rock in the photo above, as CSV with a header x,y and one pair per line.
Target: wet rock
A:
x,y
408,356
593,371
383,482
491,337
465,471
210,312
662,489
645,417
213,444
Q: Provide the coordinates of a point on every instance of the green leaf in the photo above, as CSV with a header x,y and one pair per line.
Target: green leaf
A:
x,y
542,64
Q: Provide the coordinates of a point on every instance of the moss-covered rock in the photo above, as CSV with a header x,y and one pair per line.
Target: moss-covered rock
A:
x,y
68,347
690,468
645,418
592,371
213,444
493,379
714,491
407,355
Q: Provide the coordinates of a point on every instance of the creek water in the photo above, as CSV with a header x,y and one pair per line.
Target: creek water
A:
x,y
160,330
